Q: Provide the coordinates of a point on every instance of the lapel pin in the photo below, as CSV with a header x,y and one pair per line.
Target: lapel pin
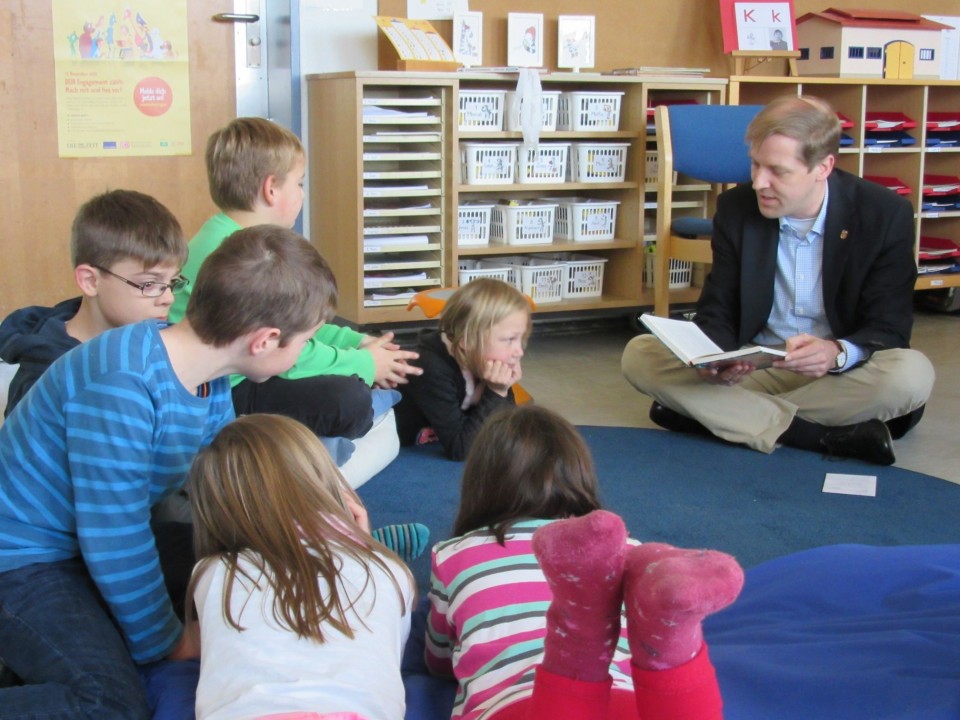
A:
x,y
843,234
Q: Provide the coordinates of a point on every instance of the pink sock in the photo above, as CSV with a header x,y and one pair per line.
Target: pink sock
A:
x,y
668,591
582,559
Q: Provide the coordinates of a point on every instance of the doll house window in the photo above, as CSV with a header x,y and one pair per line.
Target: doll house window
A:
x,y
855,53
826,53
926,53
874,53
804,53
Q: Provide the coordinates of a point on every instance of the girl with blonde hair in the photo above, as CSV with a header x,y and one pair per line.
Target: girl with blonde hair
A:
x,y
300,610
470,365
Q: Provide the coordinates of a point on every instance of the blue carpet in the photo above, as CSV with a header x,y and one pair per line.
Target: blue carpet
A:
x,y
698,492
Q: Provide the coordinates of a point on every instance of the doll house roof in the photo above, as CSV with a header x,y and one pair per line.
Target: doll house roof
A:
x,y
874,19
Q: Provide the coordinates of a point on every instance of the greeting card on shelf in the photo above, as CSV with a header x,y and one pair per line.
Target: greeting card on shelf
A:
x,y
758,31
525,40
412,45
758,25
468,38
576,40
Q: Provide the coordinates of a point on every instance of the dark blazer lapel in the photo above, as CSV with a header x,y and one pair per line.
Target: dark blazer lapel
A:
x,y
761,236
839,235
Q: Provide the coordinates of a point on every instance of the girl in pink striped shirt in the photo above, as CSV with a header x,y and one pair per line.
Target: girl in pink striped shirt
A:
x,y
541,606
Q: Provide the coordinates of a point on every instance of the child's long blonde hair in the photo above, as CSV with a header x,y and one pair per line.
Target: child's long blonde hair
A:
x,y
472,311
267,489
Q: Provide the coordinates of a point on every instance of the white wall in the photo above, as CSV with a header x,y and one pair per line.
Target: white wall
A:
x,y
950,47
335,35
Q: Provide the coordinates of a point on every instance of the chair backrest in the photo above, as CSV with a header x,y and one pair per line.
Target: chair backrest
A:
x,y
708,141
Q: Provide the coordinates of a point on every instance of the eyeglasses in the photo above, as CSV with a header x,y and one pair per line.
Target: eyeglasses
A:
x,y
150,289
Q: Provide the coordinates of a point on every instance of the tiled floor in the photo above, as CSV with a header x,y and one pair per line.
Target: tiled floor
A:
x,y
578,375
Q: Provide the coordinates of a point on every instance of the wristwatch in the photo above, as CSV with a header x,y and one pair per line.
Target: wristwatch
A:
x,y
841,356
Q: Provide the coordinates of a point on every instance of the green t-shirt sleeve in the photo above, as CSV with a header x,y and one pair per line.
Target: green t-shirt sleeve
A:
x,y
339,337
320,358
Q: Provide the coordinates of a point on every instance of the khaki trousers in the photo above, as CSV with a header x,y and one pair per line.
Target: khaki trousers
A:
x,y
758,410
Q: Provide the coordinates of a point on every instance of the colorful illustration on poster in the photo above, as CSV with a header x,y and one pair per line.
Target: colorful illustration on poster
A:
x,y
122,77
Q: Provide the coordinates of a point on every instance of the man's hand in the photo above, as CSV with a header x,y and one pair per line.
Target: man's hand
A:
x,y
728,374
810,356
499,376
390,363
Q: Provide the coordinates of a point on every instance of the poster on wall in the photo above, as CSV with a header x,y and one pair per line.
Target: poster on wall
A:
x,y
758,25
122,77
435,9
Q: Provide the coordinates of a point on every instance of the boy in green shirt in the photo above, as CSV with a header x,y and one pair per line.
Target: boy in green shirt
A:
x,y
255,169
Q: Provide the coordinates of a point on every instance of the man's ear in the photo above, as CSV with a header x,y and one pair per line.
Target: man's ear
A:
x,y
826,166
263,340
87,278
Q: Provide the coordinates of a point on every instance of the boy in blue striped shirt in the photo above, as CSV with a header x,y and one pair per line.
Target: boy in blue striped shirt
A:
x,y
108,431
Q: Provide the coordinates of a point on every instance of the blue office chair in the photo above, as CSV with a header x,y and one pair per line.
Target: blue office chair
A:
x,y
705,144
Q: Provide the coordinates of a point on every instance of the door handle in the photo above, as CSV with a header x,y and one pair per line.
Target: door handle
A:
x,y
236,17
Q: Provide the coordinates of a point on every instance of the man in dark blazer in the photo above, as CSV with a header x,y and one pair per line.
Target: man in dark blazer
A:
x,y
817,261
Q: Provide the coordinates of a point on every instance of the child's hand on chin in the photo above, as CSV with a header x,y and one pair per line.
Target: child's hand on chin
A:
x,y
499,376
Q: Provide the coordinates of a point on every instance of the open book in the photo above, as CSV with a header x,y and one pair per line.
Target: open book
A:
x,y
689,343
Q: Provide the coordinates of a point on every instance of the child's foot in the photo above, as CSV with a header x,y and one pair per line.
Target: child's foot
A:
x,y
426,436
668,591
409,540
582,559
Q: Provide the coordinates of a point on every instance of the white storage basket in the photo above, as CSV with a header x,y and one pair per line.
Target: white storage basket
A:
x,y
472,269
510,263
488,163
528,224
481,110
591,111
681,272
548,113
546,163
539,277
473,224
585,220
651,173
598,162
582,274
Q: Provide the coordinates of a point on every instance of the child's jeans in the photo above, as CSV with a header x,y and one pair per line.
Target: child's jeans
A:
x,y
60,640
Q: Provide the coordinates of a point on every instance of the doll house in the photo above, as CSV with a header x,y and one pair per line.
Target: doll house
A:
x,y
869,43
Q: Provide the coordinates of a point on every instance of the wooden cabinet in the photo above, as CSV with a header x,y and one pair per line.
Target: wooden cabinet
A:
x,y
387,182
890,137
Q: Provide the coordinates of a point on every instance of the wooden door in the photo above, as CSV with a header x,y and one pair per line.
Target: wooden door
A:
x,y
39,191
898,60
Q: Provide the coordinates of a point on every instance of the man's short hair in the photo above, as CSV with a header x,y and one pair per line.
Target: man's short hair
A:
x,y
811,121
125,224
243,154
261,276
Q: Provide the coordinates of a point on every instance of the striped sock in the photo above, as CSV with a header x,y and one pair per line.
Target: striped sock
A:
x,y
409,540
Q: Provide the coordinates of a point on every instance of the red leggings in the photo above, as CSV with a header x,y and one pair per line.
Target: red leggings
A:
x,y
687,691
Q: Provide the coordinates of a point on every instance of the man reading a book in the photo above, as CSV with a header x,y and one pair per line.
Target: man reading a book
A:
x,y
817,261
